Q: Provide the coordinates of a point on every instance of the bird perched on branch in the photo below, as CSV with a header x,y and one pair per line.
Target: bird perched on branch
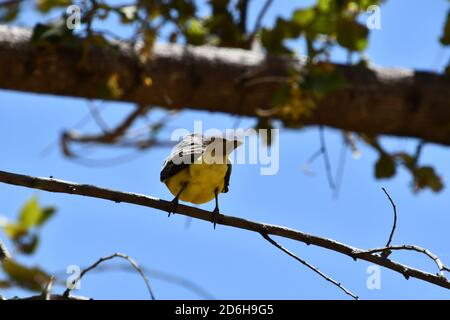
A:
x,y
198,169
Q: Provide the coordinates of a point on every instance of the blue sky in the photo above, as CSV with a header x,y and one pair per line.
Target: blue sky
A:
x,y
231,263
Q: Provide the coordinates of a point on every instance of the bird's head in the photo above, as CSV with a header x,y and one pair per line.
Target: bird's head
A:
x,y
222,146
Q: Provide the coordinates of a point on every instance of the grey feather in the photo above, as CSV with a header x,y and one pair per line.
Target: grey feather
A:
x,y
183,154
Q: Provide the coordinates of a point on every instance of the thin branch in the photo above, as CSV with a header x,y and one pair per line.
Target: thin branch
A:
x,y
431,255
95,113
47,292
395,219
58,186
326,158
259,19
243,10
101,260
313,268
108,137
341,168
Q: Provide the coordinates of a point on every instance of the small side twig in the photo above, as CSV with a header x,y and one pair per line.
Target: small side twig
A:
x,y
259,19
428,253
313,268
47,292
386,253
326,158
115,255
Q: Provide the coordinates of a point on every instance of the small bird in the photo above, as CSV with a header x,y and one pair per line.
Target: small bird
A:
x,y
198,169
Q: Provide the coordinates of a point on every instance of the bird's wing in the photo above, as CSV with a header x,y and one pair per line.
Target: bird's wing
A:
x,y
183,154
227,179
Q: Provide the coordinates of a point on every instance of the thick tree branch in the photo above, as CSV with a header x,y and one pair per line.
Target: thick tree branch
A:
x,y
397,102
58,186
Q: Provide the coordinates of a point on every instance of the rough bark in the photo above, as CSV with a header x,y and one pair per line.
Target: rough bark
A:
x,y
59,186
398,102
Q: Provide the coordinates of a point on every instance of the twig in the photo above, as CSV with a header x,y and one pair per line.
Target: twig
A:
x,y
243,9
58,186
313,268
431,255
115,255
326,158
95,113
259,19
395,219
341,167
47,292
108,137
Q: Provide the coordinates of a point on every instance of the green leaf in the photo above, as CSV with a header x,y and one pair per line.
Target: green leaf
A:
x,y
325,5
385,167
352,35
14,231
46,214
30,213
426,177
47,5
304,17
33,278
196,32
273,39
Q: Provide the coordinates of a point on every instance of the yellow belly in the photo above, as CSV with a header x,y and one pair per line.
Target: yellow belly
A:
x,y
202,180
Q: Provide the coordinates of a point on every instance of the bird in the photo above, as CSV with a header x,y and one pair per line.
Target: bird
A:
x,y
198,169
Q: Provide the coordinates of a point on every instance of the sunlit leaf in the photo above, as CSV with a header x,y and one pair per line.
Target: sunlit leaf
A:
x,y
30,213
14,231
29,278
303,17
196,32
113,86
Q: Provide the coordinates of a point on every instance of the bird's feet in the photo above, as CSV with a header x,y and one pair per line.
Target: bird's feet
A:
x,y
215,215
174,204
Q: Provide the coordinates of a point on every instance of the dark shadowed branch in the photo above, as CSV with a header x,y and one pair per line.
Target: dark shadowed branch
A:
x,y
58,186
394,225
